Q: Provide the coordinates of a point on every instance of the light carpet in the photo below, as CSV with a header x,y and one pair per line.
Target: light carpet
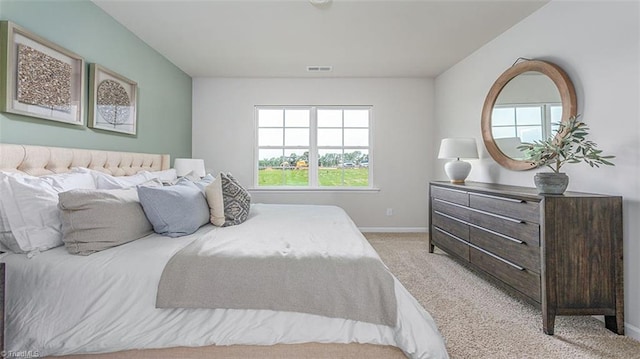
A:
x,y
479,320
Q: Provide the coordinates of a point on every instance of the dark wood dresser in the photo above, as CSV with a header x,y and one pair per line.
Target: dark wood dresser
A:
x,y
563,253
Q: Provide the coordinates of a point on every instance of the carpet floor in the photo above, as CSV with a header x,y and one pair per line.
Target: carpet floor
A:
x,y
479,320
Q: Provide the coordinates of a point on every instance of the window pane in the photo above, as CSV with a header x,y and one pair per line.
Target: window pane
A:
x,y
270,118
283,168
270,137
296,137
296,118
350,169
529,115
270,158
330,170
298,172
270,170
329,158
556,117
356,118
329,137
503,132
556,113
329,118
503,116
356,137
530,133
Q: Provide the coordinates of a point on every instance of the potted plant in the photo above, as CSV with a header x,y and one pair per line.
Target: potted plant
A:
x,y
569,145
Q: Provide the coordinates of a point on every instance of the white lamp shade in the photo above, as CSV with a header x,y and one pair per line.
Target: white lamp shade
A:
x,y
458,148
185,166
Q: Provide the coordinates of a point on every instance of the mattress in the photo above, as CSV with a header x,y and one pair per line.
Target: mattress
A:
x,y
58,303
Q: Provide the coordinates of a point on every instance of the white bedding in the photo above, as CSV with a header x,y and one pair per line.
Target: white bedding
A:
x,y
57,303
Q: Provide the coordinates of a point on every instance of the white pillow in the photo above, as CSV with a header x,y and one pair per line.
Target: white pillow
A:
x,y
29,206
106,181
7,240
169,176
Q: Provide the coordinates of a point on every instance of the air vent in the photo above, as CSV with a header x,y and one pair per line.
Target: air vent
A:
x,y
319,68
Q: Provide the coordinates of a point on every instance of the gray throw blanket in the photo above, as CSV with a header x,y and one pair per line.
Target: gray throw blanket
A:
x,y
308,259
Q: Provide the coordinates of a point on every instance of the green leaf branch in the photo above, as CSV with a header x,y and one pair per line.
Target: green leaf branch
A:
x,y
569,145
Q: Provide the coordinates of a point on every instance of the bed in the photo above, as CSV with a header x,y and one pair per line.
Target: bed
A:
x,y
59,304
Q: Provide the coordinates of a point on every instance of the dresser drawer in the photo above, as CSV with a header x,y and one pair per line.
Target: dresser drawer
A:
x,y
515,208
522,253
451,209
450,195
450,224
450,243
524,281
524,231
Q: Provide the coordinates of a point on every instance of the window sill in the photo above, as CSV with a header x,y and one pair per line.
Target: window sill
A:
x,y
314,189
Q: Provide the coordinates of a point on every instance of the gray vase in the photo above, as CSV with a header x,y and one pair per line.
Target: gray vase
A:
x,y
551,182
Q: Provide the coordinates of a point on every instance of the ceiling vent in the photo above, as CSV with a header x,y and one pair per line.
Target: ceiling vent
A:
x,y
319,68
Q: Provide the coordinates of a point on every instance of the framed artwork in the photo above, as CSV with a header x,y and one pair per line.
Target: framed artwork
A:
x,y
39,78
112,101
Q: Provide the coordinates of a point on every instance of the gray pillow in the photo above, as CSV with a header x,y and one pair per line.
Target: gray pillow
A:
x,y
175,211
229,202
94,220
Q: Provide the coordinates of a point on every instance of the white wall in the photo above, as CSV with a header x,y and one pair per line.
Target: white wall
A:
x,y
597,44
224,136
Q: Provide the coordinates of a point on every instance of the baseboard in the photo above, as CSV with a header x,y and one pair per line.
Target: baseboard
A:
x,y
393,229
632,331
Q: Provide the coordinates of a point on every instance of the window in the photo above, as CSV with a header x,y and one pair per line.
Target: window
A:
x,y
316,147
528,122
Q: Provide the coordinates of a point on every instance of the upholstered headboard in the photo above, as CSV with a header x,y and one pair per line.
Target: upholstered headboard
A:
x,y
39,160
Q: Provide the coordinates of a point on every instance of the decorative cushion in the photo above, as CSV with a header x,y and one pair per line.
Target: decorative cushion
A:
x,y
213,192
29,219
229,202
175,211
95,220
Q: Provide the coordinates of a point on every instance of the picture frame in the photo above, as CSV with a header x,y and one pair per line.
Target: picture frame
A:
x,y
112,101
39,78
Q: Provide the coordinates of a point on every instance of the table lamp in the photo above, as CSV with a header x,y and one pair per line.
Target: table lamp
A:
x,y
189,166
455,149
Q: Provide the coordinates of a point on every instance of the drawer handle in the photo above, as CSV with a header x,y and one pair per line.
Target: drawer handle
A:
x,y
499,216
451,189
450,203
480,211
451,217
497,257
451,235
500,198
497,234
480,228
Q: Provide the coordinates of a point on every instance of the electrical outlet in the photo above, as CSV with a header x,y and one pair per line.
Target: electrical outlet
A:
x,y
389,211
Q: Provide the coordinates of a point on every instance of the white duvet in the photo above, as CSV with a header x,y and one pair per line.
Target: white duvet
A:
x,y
57,303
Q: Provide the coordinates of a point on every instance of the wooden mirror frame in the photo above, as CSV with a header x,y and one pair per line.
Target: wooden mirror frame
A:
x,y
567,97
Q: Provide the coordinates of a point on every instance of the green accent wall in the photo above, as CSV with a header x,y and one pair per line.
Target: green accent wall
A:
x,y
164,91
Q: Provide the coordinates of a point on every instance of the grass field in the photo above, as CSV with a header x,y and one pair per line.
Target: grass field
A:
x,y
329,177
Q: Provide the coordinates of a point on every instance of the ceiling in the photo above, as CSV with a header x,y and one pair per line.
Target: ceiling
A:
x,y
280,38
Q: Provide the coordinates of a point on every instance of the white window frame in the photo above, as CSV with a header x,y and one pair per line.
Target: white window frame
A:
x,y
313,149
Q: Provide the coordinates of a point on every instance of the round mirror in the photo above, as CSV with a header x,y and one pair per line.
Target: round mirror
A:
x,y
525,104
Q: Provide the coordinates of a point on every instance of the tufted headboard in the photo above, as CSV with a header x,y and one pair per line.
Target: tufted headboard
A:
x,y
40,160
